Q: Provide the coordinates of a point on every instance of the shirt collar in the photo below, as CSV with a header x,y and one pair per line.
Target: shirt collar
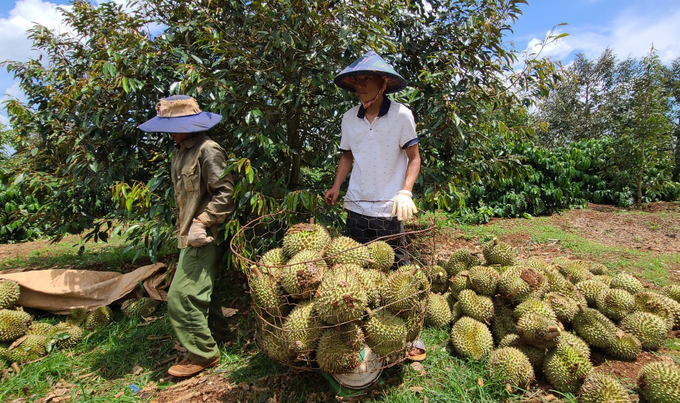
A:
x,y
191,141
384,108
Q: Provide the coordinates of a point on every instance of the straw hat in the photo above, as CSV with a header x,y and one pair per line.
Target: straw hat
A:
x,y
180,114
370,62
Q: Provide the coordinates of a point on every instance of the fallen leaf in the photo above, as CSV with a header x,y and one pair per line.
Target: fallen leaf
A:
x,y
416,389
480,382
228,312
119,394
179,347
137,369
425,399
549,398
244,386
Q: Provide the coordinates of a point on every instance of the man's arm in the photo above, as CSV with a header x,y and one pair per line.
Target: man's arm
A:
x,y
344,168
221,188
413,167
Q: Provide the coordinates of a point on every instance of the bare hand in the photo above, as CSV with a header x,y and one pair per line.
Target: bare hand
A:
x,y
331,196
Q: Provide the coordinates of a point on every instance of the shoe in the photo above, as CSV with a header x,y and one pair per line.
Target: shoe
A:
x,y
416,351
186,367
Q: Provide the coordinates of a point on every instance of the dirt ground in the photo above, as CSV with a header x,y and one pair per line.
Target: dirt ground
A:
x,y
656,228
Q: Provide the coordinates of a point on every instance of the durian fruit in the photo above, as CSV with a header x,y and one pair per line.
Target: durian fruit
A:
x,y
626,282
502,323
536,306
615,303
520,283
510,366
536,262
497,252
477,307
598,269
65,335
566,369
303,274
345,250
576,342
40,328
414,324
403,292
34,346
98,318
272,341
648,328
302,328
556,282
659,382
13,355
471,338
381,256
575,271
672,291
9,293
385,332
648,302
484,280
534,354
457,312
142,307
625,347
591,289
460,260
595,328
537,330
420,276
272,261
266,294
372,281
77,316
560,261
438,313
13,324
673,306
439,279
564,307
351,334
600,387
460,282
341,297
604,279
334,355
305,236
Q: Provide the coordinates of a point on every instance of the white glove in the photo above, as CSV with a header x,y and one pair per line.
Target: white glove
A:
x,y
404,208
197,234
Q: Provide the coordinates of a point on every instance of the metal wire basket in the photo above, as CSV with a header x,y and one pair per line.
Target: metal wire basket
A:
x,y
293,329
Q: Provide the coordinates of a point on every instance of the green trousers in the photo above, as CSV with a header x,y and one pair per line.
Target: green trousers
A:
x,y
193,308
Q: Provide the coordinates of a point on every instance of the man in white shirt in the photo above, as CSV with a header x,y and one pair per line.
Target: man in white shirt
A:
x,y
379,147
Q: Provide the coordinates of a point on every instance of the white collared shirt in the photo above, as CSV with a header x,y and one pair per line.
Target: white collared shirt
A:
x,y
380,159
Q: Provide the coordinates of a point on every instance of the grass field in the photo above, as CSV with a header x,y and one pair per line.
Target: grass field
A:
x,y
126,360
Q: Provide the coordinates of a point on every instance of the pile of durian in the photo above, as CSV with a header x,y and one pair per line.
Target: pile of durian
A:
x,y
23,340
320,299
540,317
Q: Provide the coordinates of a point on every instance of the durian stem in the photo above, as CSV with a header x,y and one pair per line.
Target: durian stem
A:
x,y
256,271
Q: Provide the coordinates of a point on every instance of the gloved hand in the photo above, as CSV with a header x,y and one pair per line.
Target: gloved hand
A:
x,y
197,234
404,208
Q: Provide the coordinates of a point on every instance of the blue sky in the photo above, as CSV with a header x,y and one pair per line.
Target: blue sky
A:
x,y
628,27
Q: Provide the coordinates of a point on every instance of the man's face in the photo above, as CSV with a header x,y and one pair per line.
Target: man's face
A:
x,y
180,137
367,86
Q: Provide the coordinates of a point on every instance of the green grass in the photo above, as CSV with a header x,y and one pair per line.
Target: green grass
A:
x,y
116,255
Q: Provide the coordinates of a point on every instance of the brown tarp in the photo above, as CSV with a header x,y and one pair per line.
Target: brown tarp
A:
x,y
61,290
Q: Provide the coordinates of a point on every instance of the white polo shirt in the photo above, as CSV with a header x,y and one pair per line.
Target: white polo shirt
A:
x,y
380,159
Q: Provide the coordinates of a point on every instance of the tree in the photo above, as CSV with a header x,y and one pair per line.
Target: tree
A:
x,y
267,67
673,85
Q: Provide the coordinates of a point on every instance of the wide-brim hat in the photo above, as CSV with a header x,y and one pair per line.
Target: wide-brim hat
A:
x,y
180,114
371,62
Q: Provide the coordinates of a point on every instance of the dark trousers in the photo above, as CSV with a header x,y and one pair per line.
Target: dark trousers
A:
x,y
365,229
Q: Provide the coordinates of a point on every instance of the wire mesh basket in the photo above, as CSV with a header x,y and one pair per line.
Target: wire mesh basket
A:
x,y
322,300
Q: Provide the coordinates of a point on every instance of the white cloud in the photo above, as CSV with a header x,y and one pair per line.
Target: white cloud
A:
x,y
632,32
14,45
